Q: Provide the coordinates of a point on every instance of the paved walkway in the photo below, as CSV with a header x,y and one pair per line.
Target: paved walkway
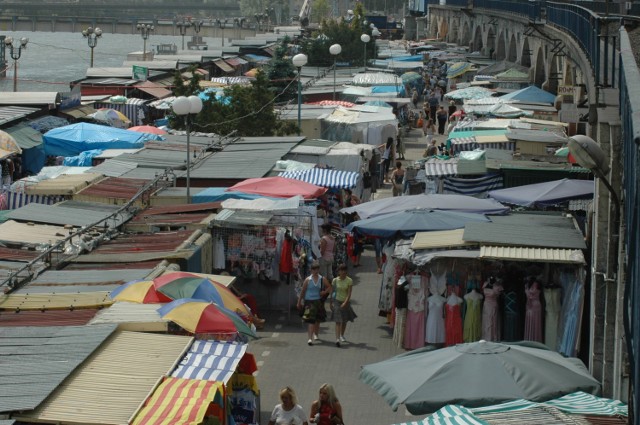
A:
x,y
284,358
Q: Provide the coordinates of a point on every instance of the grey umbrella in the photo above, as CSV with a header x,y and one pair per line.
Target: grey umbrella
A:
x,y
476,374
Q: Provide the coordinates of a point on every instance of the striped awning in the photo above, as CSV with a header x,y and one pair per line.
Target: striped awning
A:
x,y
581,403
334,179
211,361
434,167
449,415
471,143
178,401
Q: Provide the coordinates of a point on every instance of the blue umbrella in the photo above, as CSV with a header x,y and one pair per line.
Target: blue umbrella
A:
x,y
407,223
545,194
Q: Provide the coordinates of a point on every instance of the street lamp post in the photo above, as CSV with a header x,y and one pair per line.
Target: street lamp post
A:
x,y
268,11
187,107
375,33
92,35
15,51
145,31
299,61
335,50
365,39
221,25
182,26
590,155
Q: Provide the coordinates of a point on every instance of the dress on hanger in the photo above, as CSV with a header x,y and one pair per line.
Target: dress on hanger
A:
x,y
435,332
490,315
388,280
551,316
511,321
473,317
453,321
533,315
414,333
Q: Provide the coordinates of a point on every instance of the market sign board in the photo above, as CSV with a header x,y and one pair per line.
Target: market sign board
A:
x,y
140,73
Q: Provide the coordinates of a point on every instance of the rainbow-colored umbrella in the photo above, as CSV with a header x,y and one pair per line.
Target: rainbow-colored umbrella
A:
x,y
201,317
178,285
139,291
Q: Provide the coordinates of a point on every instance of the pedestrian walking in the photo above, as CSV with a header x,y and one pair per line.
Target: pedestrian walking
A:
x,y
341,303
315,290
288,412
326,410
441,115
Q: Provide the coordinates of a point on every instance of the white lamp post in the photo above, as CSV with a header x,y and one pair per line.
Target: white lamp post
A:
x,y
375,33
15,51
187,107
145,32
365,39
299,61
335,50
92,35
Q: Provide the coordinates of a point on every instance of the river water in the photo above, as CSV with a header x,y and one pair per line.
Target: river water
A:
x,y
52,60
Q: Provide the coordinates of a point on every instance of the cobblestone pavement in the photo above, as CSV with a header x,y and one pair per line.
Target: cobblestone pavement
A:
x,y
284,358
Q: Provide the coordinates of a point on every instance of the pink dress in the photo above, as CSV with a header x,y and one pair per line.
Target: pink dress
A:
x,y
453,324
414,331
533,316
490,316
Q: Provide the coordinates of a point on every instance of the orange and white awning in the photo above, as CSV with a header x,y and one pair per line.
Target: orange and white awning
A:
x,y
179,401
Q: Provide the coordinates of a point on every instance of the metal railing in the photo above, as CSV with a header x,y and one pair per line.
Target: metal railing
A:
x,y
629,113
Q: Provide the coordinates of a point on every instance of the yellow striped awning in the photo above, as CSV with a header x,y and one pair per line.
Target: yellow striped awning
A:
x,y
439,239
26,301
178,401
523,253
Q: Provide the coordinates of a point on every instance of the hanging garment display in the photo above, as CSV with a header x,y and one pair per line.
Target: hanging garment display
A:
x,y
490,308
472,317
415,331
511,321
533,315
453,320
388,275
435,332
551,316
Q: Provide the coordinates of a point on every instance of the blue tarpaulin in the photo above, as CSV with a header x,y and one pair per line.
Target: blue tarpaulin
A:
x,y
218,194
73,139
85,158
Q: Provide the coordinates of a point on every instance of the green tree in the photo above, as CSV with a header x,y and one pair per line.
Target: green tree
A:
x,y
320,10
246,109
347,35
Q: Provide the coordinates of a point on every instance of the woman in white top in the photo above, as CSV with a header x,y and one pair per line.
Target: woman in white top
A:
x,y
289,412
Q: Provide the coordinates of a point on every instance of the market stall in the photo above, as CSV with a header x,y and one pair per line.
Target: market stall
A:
x,y
519,277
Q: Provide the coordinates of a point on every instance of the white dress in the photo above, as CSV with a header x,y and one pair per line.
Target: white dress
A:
x,y
435,329
388,275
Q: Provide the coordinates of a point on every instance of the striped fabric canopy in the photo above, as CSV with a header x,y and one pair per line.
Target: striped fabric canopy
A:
x,y
178,401
581,403
449,415
333,179
477,187
211,361
469,143
434,167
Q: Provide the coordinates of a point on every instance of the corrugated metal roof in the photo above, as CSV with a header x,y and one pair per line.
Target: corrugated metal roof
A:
x,y
77,317
25,136
35,360
529,230
126,368
55,214
252,218
132,317
518,253
12,231
17,254
29,98
156,90
246,158
439,239
114,167
49,301
66,281
64,184
79,111
112,188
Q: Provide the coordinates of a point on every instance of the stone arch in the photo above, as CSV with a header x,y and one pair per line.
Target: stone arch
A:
x,y
525,56
491,42
453,34
443,29
512,52
477,44
554,75
466,34
501,49
539,73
